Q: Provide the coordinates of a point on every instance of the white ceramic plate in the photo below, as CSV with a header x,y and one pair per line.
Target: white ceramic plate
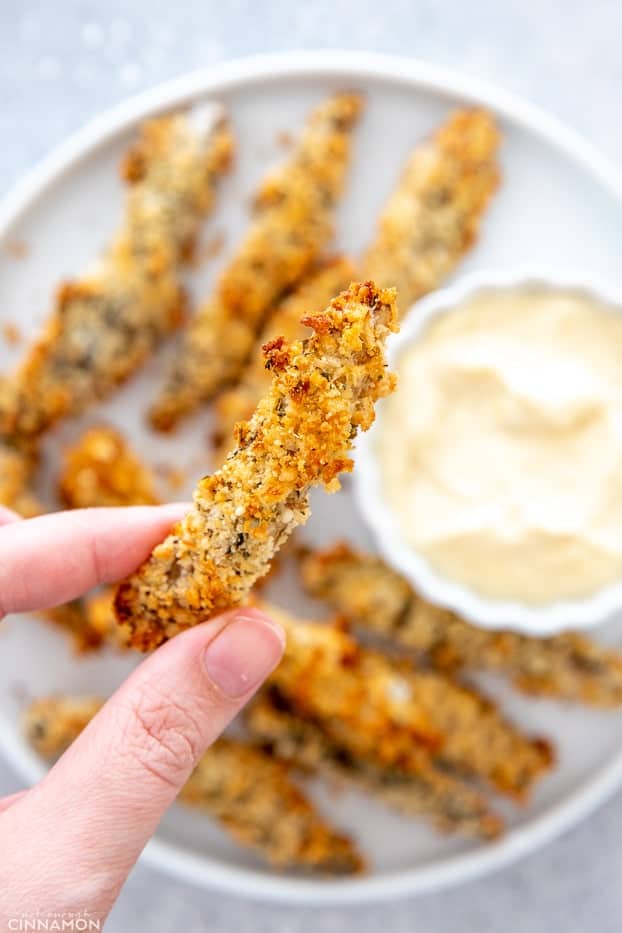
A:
x,y
560,204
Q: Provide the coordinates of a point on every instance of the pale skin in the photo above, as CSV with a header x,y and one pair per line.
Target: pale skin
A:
x,y
69,843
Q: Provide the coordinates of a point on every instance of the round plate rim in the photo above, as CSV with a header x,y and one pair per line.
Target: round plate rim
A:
x,y
354,66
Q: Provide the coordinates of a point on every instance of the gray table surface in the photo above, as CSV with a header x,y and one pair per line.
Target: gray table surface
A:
x,y
63,62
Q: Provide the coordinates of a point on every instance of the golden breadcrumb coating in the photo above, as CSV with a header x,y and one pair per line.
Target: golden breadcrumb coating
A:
x,y
72,618
246,790
254,798
17,465
106,324
100,618
433,216
323,391
389,712
101,469
449,803
18,461
367,592
52,723
291,225
312,295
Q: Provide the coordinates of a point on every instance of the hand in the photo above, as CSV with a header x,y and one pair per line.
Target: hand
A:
x,y
68,844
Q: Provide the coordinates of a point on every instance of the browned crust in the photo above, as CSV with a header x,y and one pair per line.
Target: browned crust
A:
x,y
323,391
367,592
448,802
18,462
72,619
313,293
251,795
392,714
291,225
99,614
254,798
107,323
434,214
101,469
52,723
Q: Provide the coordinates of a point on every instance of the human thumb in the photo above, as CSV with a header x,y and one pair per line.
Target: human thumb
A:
x,y
75,836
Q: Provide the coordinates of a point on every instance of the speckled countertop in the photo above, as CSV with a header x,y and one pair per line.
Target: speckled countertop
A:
x,y
63,62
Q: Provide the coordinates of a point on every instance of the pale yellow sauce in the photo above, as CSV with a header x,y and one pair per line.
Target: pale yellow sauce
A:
x,y
501,451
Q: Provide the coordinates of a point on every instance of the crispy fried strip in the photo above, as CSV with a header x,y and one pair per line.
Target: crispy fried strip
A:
x,y
100,617
106,324
254,798
312,295
389,713
17,464
292,223
433,216
73,619
363,589
101,469
430,221
51,723
249,793
449,803
323,392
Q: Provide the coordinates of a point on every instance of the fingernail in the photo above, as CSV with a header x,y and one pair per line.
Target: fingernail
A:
x,y
244,653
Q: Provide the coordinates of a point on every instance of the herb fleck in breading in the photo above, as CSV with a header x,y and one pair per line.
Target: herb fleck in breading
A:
x,y
323,391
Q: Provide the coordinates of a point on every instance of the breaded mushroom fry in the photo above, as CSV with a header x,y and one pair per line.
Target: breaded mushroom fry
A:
x,y
73,619
390,713
17,464
52,723
311,296
247,791
291,226
101,469
254,798
323,392
450,804
100,619
107,323
368,593
433,216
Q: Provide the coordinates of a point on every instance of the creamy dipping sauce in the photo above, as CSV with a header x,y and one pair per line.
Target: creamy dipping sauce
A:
x,y
501,451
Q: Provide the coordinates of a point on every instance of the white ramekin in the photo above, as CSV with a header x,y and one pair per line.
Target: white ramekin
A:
x,y
380,516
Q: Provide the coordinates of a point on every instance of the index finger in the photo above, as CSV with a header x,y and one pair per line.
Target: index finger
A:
x,y
54,558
